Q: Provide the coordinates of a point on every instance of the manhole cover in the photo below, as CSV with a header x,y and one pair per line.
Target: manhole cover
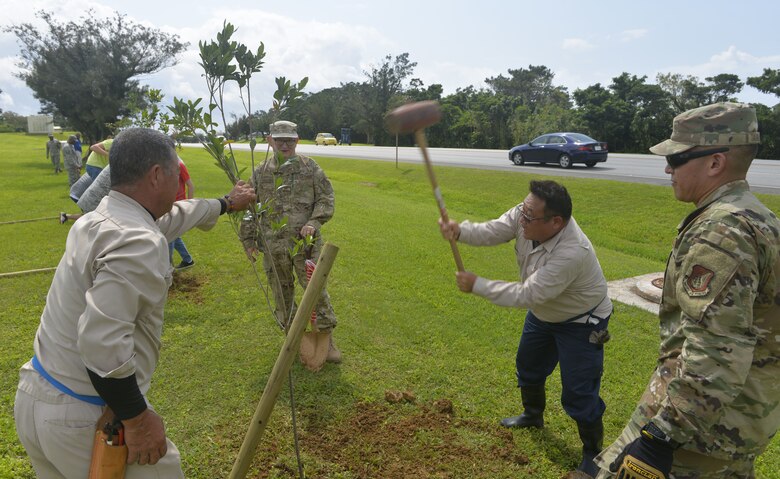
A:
x,y
658,283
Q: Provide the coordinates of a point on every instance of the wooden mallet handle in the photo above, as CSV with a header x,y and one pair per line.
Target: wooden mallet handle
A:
x,y
414,117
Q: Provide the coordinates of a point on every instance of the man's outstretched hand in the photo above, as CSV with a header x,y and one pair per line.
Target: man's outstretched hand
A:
x,y
240,196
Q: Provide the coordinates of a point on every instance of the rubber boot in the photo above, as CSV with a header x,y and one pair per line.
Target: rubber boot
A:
x,y
533,408
334,355
592,437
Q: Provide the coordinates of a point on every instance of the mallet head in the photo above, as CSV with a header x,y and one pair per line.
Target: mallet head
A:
x,y
413,116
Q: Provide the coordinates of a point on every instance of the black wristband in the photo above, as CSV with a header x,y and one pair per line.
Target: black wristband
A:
x,y
222,205
121,395
229,203
654,433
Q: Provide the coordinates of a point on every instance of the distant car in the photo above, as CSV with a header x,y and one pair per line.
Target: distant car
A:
x,y
325,139
562,148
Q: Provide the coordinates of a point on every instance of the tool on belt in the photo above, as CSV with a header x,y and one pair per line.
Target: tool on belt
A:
x,y
109,451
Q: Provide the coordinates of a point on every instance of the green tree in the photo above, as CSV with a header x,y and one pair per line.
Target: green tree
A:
x,y
647,111
769,127
459,123
652,117
724,87
517,99
384,82
767,82
768,118
603,114
418,92
530,87
353,110
87,69
685,92
320,112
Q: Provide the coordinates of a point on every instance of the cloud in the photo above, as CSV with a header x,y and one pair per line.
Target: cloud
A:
x,y
328,53
452,76
576,44
732,60
16,96
634,34
6,102
735,61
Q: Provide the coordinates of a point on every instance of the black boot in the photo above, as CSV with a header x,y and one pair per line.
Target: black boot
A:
x,y
533,408
592,437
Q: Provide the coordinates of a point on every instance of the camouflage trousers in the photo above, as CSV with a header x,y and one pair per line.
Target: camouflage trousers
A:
x,y
687,464
74,171
288,269
55,162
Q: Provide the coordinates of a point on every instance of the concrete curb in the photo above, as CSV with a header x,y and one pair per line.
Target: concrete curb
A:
x,y
638,291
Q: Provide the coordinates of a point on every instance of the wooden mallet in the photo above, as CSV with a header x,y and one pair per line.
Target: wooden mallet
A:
x,y
414,117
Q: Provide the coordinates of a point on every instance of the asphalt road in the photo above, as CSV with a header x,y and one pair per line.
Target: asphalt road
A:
x,y
764,175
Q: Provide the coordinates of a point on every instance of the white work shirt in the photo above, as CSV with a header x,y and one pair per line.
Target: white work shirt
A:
x,y
104,310
560,279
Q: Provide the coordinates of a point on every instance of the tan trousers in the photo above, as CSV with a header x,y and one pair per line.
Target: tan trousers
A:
x,y
58,438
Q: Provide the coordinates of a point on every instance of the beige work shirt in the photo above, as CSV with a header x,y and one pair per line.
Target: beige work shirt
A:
x,y
559,279
104,310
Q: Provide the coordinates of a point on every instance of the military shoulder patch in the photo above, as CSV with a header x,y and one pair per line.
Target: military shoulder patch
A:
x,y
697,281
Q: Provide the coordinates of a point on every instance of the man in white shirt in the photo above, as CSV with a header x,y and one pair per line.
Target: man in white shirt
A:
x,y
565,292
99,338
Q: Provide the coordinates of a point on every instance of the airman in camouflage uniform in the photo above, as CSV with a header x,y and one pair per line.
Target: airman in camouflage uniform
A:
x,y
711,406
53,152
294,187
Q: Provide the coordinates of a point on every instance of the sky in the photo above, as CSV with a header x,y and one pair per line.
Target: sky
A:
x,y
456,43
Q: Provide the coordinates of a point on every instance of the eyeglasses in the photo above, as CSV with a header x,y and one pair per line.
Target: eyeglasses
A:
x,y
676,161
526,217
288,141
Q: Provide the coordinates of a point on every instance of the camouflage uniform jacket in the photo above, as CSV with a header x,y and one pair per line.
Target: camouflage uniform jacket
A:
x,y
297,190
53,148
716,388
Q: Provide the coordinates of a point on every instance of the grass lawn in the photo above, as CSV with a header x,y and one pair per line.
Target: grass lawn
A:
x,y
403,326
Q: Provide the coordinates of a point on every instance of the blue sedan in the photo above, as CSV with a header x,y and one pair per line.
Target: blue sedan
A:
x,y
562,148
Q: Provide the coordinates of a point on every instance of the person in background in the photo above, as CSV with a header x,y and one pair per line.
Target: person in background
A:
x,y
98,342
186,191
53,150
713,402
72,160
564,291
77,147
89,194
98,157
299,191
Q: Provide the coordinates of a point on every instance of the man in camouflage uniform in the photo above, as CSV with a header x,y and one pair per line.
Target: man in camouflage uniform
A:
x,y
292,187
53,151
712,403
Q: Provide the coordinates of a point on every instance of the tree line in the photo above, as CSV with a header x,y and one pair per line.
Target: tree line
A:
x,y
630,114
86,74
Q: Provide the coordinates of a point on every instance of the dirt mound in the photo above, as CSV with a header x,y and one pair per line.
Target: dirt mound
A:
x,y
186,287
406,439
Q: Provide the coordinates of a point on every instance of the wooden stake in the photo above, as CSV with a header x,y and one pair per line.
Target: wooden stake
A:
x,y
29,271
284,361
30,220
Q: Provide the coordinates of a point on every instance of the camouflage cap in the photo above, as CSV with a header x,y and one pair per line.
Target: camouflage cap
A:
x,y
284,129
716,124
